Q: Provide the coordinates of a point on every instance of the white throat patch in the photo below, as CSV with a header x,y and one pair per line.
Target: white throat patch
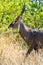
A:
x,y
18,27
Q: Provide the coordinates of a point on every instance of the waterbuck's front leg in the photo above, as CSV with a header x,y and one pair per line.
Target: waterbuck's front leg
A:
x,y
30,49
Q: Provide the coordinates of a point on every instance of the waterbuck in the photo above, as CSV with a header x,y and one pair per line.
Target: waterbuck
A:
x,y
34,38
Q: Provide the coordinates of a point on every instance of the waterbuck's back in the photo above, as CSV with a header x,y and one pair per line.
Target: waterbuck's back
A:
x,y
39,37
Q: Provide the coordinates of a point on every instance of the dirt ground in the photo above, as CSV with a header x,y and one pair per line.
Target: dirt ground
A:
x,y
12,51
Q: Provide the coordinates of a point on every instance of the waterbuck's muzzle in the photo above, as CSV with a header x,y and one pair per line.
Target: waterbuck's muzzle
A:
x,y
11,25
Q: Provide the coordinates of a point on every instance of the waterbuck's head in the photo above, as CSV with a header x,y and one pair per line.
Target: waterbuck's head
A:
x,y
16,23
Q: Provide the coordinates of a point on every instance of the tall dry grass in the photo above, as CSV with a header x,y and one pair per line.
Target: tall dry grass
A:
x,y
13,51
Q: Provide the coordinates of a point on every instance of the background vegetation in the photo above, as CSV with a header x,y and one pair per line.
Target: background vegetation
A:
x,y
10,9
13,48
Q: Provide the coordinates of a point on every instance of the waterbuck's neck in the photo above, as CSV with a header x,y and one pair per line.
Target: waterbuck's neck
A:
x,y
24,32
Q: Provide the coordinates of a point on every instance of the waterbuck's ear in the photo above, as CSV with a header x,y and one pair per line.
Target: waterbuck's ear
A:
x,y
20,16
16,20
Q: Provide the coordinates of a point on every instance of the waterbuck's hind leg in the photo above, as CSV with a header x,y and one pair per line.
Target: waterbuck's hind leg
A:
x,y
36,47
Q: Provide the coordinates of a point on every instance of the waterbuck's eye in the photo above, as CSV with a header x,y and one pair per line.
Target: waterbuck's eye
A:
x,y
15,21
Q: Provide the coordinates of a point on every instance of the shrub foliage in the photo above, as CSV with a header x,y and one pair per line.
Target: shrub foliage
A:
x,y
10,9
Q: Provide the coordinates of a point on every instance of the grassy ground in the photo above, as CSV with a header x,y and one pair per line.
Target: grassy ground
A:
x,y
13,51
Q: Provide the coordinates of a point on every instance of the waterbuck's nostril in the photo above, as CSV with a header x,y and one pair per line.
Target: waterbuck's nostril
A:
x,y
9,27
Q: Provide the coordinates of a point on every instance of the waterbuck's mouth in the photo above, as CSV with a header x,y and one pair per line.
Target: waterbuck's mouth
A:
x,y
10,26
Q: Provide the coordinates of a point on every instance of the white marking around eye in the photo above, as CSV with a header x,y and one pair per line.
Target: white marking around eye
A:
x,y
13,22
